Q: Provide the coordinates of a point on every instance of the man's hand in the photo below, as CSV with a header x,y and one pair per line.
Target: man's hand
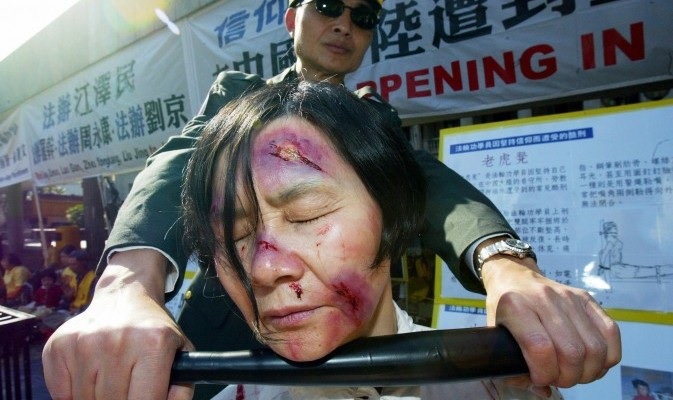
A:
x,y
565,336
123,345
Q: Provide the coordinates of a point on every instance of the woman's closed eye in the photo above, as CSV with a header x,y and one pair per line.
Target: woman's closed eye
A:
x,y
307,220
307,216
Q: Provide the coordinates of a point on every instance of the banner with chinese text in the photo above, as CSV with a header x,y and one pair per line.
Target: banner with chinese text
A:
x,y
109,118
14,160
448,58
242,35
427,58
439,58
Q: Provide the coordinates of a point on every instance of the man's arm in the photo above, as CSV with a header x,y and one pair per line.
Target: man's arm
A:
x,y
457,215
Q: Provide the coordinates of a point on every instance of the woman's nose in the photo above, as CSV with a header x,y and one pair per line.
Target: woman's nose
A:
x,y
274,262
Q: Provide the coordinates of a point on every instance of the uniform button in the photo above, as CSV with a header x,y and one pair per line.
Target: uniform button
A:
x,y
188,295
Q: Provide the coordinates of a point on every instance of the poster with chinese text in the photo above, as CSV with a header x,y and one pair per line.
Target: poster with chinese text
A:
x,y
591,191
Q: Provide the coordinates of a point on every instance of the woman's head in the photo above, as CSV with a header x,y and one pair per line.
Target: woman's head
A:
x,y
300,196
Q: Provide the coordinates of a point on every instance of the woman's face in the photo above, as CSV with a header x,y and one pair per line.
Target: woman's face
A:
x,y
310,258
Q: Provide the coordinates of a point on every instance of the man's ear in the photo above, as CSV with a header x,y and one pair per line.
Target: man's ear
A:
x,y
290,15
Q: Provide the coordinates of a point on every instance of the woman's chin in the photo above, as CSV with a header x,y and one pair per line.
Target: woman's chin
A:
x,y
303,353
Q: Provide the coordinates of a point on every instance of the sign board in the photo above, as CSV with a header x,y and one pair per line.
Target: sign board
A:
x,y
593,193
14,156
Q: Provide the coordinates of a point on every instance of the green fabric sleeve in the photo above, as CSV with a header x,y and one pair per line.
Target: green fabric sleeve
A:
x,y
457,214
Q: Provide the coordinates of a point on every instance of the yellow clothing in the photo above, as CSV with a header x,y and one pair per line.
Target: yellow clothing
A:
x,y
69,279
14,279
83,293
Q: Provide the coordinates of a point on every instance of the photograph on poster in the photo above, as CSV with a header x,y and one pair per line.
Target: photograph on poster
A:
x,y
591,191
646,384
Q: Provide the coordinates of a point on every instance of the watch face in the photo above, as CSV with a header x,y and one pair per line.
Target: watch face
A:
x,y
518,244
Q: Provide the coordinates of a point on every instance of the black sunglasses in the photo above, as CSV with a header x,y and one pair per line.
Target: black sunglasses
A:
x,y
362,16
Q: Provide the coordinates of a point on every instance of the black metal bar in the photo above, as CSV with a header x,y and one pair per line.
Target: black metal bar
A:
x,y
15,329
395,360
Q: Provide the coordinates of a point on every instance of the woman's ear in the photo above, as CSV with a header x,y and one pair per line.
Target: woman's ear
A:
x,y
290,15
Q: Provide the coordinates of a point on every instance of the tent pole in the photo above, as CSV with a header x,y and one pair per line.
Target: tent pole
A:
x,y
43,238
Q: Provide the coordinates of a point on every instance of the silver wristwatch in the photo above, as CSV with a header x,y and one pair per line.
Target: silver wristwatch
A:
x,y
509,247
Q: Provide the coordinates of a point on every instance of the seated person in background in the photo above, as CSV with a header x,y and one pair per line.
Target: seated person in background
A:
x,y
291,200
79,277
67,277
77,284
16,276
46,299
49,293
58,266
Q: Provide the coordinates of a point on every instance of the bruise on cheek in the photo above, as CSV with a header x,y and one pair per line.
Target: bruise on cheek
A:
x,y
344,292
355,295
296,288
290,151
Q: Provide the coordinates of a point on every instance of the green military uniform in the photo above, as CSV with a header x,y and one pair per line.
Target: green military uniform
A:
x,y
457,215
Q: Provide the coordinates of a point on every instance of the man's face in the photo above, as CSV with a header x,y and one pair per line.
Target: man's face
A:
x,y
327,48
310,257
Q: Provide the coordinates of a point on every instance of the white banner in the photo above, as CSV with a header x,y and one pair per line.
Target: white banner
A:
x,y
449,58
111,117
591,191
433,58
14,159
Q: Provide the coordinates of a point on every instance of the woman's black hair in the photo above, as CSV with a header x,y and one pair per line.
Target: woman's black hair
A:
x,y
380,156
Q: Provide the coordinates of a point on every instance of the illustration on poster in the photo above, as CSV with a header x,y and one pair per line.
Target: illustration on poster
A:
x,y
612,268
